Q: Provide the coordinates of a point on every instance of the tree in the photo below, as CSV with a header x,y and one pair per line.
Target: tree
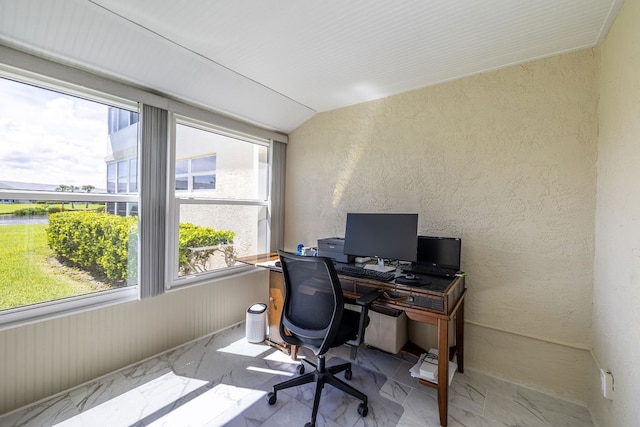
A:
x,y
63,188
73,189
88,189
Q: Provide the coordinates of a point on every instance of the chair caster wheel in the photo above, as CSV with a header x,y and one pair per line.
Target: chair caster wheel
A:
x,y
300,369
310,425
348,374
363,409
271,398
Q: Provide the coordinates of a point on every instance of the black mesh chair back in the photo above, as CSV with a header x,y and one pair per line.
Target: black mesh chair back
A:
x,y
313,304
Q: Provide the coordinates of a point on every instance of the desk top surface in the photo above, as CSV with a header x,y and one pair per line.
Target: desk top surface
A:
x,y
259,258
438,284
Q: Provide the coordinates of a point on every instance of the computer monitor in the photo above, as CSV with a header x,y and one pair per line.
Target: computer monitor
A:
x,y
439,251
382,235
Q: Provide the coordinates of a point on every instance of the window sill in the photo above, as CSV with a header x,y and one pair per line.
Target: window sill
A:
x,y
205,279
21,316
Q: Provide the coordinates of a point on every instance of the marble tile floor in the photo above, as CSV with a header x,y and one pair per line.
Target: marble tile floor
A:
x,y
222,380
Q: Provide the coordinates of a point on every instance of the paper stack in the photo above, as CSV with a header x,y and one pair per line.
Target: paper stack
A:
x,y
427,367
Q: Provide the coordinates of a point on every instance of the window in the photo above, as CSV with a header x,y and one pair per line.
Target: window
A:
x,y
133,175
122,170
220,200
76,149
122,178
121,119
67,165
196,174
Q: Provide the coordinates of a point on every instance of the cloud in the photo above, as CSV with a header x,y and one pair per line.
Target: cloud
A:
x,y
51,138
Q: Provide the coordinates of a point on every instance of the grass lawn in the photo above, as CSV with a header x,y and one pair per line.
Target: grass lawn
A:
x,y
28,271
9,208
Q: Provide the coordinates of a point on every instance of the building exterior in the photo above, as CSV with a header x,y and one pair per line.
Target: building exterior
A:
x,y
211,166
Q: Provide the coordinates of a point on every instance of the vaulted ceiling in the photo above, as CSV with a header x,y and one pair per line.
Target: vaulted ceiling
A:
x,y
276,63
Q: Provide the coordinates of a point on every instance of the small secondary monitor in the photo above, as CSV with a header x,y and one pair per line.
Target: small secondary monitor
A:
x,y
439,251
382,235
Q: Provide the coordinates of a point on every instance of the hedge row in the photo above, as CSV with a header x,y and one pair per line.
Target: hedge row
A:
x,y
95,241
36,210
45,210
101,242
193,236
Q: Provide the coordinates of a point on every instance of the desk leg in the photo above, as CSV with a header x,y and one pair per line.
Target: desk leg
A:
x,y
443,370
460,337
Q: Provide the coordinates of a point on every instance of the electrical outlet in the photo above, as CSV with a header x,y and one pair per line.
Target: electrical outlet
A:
x,y
606,381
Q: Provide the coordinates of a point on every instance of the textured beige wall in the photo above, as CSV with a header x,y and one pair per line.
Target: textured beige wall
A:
x,y
616,293
47,357
505,160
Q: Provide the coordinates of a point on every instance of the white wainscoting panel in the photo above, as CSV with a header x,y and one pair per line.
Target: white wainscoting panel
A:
x,y
51,356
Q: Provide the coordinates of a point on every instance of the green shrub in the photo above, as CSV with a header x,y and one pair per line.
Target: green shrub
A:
x,y
94,241
196,244
101,242
31,211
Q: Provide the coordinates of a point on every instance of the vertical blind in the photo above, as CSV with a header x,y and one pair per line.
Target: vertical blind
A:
x,y
153,200
278,158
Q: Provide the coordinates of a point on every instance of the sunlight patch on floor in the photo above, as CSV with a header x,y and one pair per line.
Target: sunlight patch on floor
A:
x,y
242,347
138,403
270,371
278,356
224,402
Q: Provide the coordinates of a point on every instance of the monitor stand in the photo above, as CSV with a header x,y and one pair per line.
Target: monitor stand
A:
x,y
379,266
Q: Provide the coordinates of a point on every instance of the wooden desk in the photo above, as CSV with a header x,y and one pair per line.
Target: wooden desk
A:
x,y
437,304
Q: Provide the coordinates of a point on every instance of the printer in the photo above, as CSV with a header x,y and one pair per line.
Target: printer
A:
x,y
333,247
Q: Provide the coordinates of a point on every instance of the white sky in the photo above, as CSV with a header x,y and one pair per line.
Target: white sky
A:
x,y
51,138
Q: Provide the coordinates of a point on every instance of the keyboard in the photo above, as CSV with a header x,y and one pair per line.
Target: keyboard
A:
x,y
363,273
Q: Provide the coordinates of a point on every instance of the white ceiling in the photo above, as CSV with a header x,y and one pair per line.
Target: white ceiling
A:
x,y
277,62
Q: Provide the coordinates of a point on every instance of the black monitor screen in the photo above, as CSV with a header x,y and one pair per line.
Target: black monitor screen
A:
x,y
439,251
382,235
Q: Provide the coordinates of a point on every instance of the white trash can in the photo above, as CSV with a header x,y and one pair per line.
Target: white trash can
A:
x,y
256,323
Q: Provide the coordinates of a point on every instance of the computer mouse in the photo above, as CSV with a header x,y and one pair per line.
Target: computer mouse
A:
x,y
409,276
278,264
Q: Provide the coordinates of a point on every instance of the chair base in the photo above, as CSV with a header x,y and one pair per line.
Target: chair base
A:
x,y
321,376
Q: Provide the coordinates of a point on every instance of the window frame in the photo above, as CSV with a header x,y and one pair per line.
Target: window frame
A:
x,y
35,70
31,313
175,200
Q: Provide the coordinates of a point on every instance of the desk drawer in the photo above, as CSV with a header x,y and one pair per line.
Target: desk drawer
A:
x,y
407,297
438,302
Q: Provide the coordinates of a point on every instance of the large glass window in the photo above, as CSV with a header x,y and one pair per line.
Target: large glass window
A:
x,y
221,200
67,166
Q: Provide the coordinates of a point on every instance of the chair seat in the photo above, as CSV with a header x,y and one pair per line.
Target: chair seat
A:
x,y
348,331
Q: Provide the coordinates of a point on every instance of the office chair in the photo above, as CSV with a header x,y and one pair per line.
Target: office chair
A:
x,y
314,316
